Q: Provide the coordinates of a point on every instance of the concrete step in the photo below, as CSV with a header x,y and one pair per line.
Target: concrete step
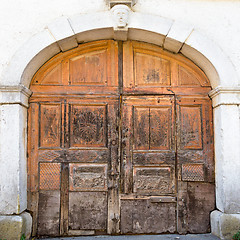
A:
x,y
142,237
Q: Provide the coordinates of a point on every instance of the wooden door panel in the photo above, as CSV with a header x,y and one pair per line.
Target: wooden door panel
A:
x,y
191,127
152,128
193,172
50,125
48,213
92,207
196,200
151,69
88,126
53,77
148,168
141,128
195,141
153,180
90,155
143,216
49,176
89,68
88,177
160,128
153,158
201,197
148,69
195,164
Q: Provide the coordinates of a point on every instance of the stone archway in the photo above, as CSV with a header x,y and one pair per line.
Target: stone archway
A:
x,y
67,33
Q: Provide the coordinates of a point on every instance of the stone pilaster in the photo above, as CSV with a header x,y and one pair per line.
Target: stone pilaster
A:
x,y
226,220
13,158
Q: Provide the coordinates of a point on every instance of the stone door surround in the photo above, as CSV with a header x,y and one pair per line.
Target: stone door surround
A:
x,y
66,33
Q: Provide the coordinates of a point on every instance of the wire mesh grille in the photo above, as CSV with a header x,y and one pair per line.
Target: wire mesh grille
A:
x,y
50,176
192,172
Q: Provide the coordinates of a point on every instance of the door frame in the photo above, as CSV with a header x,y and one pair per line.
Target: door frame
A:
x,y
40,91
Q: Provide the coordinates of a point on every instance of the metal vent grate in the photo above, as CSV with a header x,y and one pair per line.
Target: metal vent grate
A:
x,y
192,172
50,176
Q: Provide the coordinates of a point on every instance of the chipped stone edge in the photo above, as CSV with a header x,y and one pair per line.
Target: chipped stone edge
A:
x,y
224,225
14,226
14,95
225,96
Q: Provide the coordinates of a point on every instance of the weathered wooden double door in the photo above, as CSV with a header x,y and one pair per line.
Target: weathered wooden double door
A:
x,y
120,141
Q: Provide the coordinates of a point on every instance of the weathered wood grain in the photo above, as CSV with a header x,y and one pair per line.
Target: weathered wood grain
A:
x,y
120,140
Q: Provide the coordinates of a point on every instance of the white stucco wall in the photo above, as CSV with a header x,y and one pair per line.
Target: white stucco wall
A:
x,y
216,50
219,20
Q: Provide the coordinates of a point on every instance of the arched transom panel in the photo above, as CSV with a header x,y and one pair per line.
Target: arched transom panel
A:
x,y
145,68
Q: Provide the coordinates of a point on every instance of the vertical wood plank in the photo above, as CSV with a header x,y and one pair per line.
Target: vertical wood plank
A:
x,y
33,134
128,67
65,72
127,141
64,204
48,213
113,176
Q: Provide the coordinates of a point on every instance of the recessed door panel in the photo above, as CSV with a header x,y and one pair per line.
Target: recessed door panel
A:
x,y
195,163
191,127
89,68
50,125
88,177
141,128
151,69
48,213
88,126
148,168
144,216
92,207
153,180
160,128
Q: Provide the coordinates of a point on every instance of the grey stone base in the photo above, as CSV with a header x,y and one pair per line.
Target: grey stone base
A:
x,y
224,225
13,227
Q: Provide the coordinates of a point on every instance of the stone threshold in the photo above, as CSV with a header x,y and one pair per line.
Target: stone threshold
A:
x,y
141,237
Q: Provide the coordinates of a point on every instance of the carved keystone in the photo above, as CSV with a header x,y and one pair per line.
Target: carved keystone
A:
x,y
120,14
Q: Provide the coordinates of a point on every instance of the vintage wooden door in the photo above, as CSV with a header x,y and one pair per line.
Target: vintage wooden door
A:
x,y
73,142
120,142
167,168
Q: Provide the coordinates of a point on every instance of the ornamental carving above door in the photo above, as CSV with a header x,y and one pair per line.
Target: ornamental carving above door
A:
x,y
120,141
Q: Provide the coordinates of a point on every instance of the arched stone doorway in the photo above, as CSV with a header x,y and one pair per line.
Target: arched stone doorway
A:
x,y
120,138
